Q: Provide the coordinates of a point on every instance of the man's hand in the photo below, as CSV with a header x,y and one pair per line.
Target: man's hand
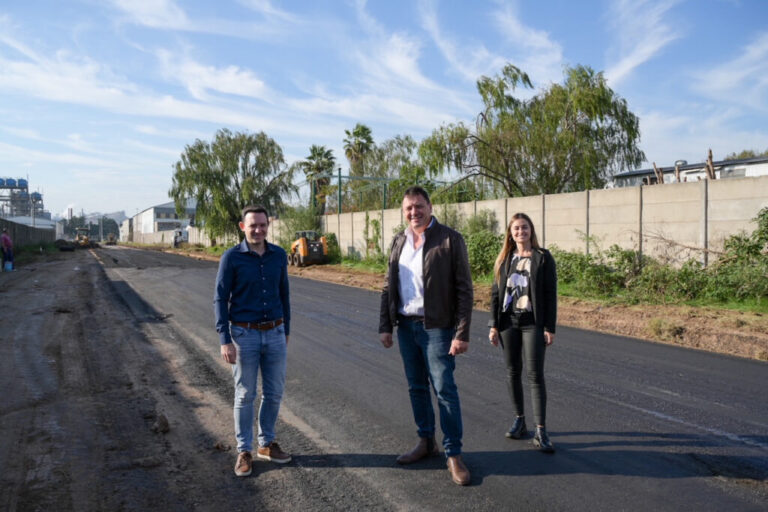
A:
x,y
549,338
458,347
386,339
229,353
286,339
493,336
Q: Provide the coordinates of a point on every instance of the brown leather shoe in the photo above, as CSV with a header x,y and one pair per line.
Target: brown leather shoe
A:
x,y
243,464
427,447
272,452
459,472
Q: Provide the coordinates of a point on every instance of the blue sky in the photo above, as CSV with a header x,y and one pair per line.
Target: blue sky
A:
x,y
98,98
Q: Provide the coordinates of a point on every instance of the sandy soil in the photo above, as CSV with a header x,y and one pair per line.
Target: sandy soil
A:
x,y
727,332
103,410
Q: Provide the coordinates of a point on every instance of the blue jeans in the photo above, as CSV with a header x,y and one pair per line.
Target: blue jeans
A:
x,y
258,349
426,360
7,256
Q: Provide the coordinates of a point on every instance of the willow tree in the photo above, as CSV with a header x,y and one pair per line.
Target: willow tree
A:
x,y
568,137
224,176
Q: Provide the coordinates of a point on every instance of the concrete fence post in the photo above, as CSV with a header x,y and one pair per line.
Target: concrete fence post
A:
x,y
586,205
705,221
640,221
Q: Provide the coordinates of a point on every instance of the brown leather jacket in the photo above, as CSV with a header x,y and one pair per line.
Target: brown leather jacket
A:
x,y
447,282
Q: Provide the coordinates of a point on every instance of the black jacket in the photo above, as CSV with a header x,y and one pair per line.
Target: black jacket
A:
x,y
543,291
448,290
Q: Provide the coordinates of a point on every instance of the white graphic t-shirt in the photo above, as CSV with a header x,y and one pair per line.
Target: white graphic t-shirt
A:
x,y
518,290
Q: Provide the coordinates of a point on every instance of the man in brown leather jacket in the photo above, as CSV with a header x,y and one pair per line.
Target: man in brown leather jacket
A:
x,y
428,295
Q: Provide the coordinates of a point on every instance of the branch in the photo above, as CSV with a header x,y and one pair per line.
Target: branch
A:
x,y
667,241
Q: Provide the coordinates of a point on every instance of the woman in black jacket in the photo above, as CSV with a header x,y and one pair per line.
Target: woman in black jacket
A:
x,y
523,316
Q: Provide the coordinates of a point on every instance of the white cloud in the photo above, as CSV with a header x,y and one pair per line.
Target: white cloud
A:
x,y
199,79
537,54
641,32
86,83
668,137
173,154
742,81
388,71
171,133
168,15
25,133
154,13
470,63
265,7
531,50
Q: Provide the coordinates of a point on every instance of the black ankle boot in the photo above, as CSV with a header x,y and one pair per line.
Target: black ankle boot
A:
x,y
518,429
542,442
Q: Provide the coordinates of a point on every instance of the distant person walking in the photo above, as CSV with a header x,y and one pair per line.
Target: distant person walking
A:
x,y
253,318
523,317
428,294
7,246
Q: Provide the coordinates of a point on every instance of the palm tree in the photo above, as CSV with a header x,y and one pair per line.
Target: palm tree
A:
x,y
357,144
318,168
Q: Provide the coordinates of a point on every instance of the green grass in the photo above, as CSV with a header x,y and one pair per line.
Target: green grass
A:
x,y
373,265
486,279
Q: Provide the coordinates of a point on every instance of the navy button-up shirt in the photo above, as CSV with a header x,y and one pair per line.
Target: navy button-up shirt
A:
x,y
251,288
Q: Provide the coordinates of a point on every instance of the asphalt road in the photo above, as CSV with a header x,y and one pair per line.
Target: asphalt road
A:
x,y
637,425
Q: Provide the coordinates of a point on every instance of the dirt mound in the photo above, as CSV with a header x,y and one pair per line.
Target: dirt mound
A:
x,y
64,245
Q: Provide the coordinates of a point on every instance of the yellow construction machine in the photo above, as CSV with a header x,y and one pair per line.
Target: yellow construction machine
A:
x,y
308,247
81,237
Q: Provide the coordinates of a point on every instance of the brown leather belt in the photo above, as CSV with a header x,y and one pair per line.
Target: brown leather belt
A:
x,y
262,326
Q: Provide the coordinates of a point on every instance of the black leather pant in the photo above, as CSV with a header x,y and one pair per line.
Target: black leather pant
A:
x,y
526,341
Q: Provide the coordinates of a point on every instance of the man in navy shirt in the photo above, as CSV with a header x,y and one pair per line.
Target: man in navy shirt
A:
x,y
253,318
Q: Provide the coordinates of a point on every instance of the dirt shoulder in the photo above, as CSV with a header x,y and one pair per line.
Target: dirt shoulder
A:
x,y
723,331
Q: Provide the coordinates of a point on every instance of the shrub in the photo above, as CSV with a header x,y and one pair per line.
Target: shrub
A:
x,y
483,247
334,251
301,218
484,220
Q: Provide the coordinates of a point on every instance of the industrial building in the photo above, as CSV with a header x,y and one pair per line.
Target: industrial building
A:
x,y
20,205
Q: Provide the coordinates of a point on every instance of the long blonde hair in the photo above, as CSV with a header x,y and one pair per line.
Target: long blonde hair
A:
x,y
510,245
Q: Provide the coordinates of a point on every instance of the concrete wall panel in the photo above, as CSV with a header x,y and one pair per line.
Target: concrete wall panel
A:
x,y
733,203
392,219
673,212
498,207
614,217
565,220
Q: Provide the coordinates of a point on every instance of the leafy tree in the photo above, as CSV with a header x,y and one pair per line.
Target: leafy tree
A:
x,y
746,153
224,176
70,225
107,226
293,219
318,167
571,136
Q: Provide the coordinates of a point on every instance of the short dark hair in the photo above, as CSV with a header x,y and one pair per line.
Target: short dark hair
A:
x,y
254,209
417,191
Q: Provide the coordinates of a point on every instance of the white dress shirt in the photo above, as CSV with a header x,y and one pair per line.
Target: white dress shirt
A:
x,y
411,275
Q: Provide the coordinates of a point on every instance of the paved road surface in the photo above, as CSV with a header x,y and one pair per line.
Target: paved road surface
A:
x,y
637,425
